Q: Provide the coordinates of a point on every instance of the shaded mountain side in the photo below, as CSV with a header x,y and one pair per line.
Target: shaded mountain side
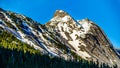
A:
x,y
62,37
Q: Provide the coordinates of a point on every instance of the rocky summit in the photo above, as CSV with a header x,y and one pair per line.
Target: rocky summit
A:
x,y
62,37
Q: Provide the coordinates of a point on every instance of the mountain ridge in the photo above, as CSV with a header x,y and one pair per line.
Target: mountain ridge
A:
x,y
62,36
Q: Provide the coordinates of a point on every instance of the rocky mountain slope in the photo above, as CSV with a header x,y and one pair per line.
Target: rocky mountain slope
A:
x,y
62,36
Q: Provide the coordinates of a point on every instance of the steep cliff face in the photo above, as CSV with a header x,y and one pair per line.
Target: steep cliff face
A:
x,y
62,36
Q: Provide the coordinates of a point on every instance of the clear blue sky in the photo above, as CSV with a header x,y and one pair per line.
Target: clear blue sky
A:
x,y
106,13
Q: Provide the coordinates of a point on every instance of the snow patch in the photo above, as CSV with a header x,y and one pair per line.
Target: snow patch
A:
x,y
14,25
66,18
25,24
23,39
12,31
74,43
84,54
28,29
61,32
86,25
64,36
52,53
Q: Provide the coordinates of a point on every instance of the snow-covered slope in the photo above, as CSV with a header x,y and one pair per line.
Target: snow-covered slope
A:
x,y
83,37
62,36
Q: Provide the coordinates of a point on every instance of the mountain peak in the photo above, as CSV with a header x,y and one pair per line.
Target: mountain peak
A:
x,y
60,16
60,13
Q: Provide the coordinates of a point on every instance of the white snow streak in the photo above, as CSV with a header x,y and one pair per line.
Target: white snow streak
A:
x,y
74,43
84,54
66,18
